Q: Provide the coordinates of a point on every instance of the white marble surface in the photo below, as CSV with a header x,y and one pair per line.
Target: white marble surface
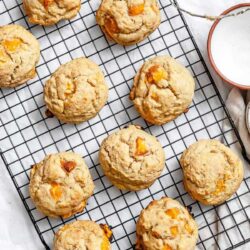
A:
x,y
17,232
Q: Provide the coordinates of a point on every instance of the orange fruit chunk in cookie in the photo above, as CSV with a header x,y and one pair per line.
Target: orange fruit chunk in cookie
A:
x,y
174,231
135,10
111,25
12,45
141,147
105,243
155,74
108,233
47,3
68,165
56,191
70,88
220,187
155,97
173,212
167,247
32,72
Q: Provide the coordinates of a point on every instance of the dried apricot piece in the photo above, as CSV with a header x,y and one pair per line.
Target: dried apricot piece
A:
x,y
70,89
155,74
141,146
106,230
107,236
56,191
111,25
65,216
174,230
47,3
167,247
220,187
105,243
32,72
173,212
155,97
135,10
68,165
12,45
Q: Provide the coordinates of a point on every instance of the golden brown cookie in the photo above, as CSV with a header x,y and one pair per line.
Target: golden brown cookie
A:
x,y
131,158
61,184
19,54
76,92
166,225
212,172
83,235
128,21
49,12
163,89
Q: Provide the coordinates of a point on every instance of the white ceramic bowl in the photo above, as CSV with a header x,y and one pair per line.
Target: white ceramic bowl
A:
x,y
229,47
248,116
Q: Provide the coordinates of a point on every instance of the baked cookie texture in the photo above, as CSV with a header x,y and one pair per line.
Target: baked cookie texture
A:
x,y
83,235
131,158
128,22
166,225
212,172
61,184
76,92
163,89
49,12
19,54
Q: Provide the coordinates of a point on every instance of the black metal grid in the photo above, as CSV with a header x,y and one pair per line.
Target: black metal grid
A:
x,y
26,135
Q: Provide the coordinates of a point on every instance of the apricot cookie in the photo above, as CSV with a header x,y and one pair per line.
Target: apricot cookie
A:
x,y
128,21
61,184
166,225
76,92
212,172
163,89
83,235
19,54
49,12
131,158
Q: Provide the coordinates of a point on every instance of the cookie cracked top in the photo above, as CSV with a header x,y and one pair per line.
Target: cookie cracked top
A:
x,y
61,184
19,54
131,158
83,235
163,89
49,12
76,91
166,225
128,21
212,172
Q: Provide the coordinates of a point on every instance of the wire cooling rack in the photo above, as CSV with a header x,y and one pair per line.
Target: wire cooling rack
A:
x,y
27,135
